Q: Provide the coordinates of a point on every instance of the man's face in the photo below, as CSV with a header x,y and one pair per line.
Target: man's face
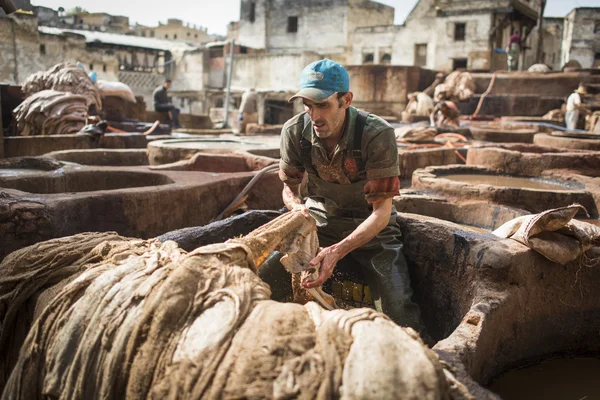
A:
x,y
328,116
167,85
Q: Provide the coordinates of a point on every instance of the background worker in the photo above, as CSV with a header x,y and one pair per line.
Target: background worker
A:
x,y
445,113
248,109
513,49
162,103
574,106
351,162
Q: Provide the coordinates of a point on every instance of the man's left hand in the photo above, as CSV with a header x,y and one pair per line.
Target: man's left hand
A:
x,y
328,258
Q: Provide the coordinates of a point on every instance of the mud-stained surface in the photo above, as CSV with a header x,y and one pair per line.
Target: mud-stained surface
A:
x,y
506,181
559,379
19,172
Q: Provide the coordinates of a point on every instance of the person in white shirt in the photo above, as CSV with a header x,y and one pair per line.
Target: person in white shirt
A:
x,y
574,105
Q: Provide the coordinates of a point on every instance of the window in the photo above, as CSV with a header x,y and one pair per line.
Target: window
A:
x,y
104,68
386,59
151,33
42,49
196,36
252,16
175,36
188,34
421,55
459,63
143,33
166,35
292,26
91,67
460,30
368,58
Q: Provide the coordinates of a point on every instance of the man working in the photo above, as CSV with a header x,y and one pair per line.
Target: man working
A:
x,y
248,109
446,113
162,103
351,160
574,106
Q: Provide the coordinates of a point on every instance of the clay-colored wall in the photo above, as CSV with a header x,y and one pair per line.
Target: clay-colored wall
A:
x,y
270,71
383,89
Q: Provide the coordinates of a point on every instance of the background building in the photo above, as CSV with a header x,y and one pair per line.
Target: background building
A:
x,y
581,37
174,29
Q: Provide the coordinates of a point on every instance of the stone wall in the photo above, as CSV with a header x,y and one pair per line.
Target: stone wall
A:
x,y
551,46
383,89
323,26
581,37
25,51
270,71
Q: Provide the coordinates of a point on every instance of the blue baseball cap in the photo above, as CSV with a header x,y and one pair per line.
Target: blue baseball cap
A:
x,y
321,79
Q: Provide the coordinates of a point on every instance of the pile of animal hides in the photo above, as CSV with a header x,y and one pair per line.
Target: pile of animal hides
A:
x,y
115,317
458,86
51,113
58,101
65,77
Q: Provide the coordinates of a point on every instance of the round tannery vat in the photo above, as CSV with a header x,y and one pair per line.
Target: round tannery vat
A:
x,y
524,192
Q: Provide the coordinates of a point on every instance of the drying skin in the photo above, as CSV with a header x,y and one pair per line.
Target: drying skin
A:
x,y
65,77
458,86
50,112
140,319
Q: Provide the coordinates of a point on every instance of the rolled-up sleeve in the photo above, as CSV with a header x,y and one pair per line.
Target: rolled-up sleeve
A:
x,y
291,170
382,156
381,189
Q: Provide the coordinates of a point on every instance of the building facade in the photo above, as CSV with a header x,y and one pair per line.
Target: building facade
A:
x,y
323,26
174,29
581,37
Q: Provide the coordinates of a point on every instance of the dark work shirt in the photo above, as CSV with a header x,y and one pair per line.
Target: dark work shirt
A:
x,y
160,96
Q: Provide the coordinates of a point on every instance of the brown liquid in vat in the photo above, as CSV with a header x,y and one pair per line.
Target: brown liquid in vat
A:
x,y
506,181
561,379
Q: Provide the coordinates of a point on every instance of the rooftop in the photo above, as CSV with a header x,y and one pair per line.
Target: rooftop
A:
x,y
121,40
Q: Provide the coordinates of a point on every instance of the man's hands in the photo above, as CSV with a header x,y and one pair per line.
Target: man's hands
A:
x,y
328,258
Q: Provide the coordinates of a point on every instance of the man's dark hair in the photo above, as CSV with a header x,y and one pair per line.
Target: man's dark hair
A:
x,y
168,81
340,99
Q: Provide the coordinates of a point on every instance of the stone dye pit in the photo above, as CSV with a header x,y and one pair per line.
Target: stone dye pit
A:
x,y
134,201
102,157
173,150
533,194
502,134
568,140
535,159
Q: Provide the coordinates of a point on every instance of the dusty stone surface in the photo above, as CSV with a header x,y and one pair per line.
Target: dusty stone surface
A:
x,y
23,221
226,162
503,135
37,163
102,157
265,129
432,180
411,160
21,146
469,213
170,151
127,200
501,304
565,142
534,159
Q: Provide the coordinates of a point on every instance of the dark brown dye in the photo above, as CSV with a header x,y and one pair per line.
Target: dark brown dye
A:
x,y
560,379
506,181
